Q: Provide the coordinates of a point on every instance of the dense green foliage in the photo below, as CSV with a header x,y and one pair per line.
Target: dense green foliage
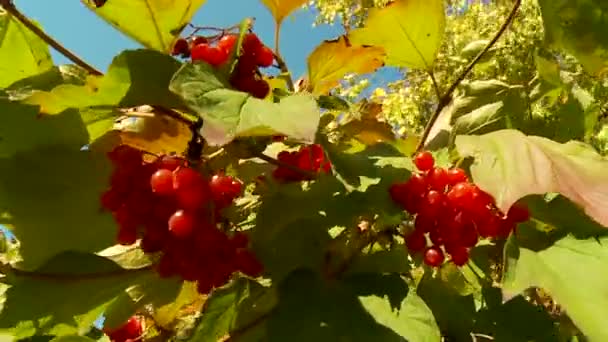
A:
x,y
527,122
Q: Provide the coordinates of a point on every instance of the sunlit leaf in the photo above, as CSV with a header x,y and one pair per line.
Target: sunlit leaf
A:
x,y
228,113
280,9
153,23
22,53
410,31
128,82
510,165
578,26
567,271
55,305
333,59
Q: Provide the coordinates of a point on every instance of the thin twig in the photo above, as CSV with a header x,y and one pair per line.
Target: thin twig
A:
x,y
447,97
63,277
435,84
235,334
284,70
277,162
173,114
11,9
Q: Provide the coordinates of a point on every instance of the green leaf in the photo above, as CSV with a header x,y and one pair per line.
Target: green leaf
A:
x,y
46,81
510,165
127,83
232,307
454,313
410,31
228,113
50,301
365,307
578,27
567,271
75,338
333,59
156,24
22,130
22,53
51,198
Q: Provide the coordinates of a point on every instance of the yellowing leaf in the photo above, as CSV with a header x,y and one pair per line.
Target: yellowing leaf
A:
x,y
153,23
333,59
280,9
410,31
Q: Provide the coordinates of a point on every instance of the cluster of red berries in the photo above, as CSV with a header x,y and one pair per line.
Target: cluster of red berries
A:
x,y
309,158
129,332
176,210
451,211
246,75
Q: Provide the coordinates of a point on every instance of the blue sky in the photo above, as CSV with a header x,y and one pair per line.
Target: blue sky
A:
x,y
81,31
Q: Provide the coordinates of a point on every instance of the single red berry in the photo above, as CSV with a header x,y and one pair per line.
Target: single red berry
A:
x,y
161,182
186,177
399,193
460,255
424,161
456,175
461,195
260,90
193,197
126,236
518,213
210,54
264,57
437,179
227,43
417,184
197,40
180,47
133,327
251,44
181,223
170,163
433,256
415,241
489,226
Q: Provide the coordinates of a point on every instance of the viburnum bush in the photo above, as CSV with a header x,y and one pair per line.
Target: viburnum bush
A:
x,y
196,191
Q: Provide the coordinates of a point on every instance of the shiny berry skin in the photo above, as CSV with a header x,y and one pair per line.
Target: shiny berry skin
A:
x,y
415,242
264,57
461,195
456,175
186,178
197,40
433,256
212,55
424,161
161,182
170,163
181,223
437,178
228,42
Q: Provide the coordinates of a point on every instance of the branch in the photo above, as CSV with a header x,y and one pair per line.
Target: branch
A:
x,y
11,9
435,84
284,70
447,97
277,162
63,277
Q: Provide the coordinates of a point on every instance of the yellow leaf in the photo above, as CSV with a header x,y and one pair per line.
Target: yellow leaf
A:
x,y
411,32
333,59
153,23
280,9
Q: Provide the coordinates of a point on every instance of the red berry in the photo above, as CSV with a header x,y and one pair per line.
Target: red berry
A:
x,y
437,237
417,184
489,227
456,175
424,161
227,43
461,195
425,223
181,223
415,242
197,40
469,236
212,55
251,44
437,179
433,256
161,182
111,200
170,163
186,177
180,47
126,236
133,327
264,57
460,255
518,213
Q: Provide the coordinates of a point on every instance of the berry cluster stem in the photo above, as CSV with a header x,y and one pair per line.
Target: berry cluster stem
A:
x,y
286,74
447,97
10,7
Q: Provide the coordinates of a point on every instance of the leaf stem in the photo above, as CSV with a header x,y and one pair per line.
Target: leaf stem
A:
x,y
11,9
277,162
435,84
447,97
63,277
284,70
